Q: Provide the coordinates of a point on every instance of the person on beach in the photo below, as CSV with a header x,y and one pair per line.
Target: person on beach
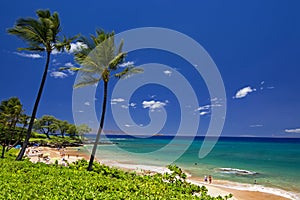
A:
x,y
210,179
205,179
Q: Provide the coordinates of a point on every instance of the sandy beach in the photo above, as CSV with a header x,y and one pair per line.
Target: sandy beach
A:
x,y
218,187
51,155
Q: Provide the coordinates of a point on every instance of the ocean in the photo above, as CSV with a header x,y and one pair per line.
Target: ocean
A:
x,y
269,162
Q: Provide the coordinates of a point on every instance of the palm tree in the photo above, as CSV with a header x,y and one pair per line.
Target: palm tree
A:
x,y
41,35
10,111
98,58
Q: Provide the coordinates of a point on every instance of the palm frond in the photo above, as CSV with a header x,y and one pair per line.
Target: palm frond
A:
x,y
65,43
87,82
43,13
38,32
99,58
55,26
99,51
36,48
69,68
121,46
113,64
128,71
29,30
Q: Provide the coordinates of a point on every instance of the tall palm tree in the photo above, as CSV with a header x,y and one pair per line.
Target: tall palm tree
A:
x,y
41,35
98,58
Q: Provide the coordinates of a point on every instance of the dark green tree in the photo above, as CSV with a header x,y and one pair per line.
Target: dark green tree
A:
x,y
63,126
42,36
99,58
72,130
11,112
47,124
83,129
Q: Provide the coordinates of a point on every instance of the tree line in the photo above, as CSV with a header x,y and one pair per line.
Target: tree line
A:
x,y
14,123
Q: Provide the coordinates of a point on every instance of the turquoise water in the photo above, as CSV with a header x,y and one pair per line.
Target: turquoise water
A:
x,y
272,162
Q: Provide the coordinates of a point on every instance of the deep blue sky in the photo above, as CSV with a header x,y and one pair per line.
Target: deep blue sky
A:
x,y
255,45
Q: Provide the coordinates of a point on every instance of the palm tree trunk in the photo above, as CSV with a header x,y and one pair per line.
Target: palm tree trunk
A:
x,y
3,146
12,132
90,167
34,111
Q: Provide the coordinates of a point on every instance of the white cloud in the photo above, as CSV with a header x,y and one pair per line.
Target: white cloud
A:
x,y
204,110
128,125
295,130
256,125
126,64
117,100
54,52
31,55
81,111
271,87
206,107
263,82
132,104
124,106
76,47
168,72
70,72
58,74
87,103
69,64
152,105
214,99
244,92
204,113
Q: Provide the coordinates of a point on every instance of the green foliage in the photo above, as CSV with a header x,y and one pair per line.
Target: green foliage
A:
x,y
82,129
42,33
50,125
12,123
62,126
54,140
25,180
72,130
177,173
47,125
99,58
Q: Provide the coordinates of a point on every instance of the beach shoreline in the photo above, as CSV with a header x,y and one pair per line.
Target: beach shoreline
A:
x,y
239,191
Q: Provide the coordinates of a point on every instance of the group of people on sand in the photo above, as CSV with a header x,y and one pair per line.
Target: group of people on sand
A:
x,y
36,152
208,179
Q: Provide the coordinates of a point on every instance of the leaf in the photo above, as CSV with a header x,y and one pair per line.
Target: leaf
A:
x,y
128,71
